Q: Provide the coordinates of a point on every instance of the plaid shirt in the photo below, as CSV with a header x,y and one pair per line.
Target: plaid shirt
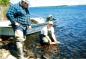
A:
x,y
17,13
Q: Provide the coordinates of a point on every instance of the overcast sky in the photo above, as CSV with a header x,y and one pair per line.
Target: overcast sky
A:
x,y
36,3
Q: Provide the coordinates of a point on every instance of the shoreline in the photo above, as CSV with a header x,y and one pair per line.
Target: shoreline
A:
x,y
55,6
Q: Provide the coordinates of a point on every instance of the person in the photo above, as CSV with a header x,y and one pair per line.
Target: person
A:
x,y
18,14
47,34
48,39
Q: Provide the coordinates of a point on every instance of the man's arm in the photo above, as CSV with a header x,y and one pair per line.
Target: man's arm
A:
x,y
29,20
10,14
29,23
54,37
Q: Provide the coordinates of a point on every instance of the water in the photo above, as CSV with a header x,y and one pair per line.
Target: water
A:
x,y
70,28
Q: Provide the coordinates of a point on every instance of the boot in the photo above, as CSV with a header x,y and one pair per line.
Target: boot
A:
x,y
20,50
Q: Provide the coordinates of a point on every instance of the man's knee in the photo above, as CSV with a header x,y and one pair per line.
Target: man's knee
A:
x,y
19,35
20,39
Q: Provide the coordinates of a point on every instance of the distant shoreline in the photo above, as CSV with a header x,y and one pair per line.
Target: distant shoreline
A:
x,y
55,6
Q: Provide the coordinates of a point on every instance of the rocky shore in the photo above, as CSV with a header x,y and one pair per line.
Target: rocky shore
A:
x,y
32,49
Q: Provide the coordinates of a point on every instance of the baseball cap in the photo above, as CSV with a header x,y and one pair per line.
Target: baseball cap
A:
x,y
50,22
25,1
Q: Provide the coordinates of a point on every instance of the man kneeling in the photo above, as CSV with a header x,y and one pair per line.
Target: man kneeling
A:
x,y
47,37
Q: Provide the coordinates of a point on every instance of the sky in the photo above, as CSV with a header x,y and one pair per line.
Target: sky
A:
x,y
39,3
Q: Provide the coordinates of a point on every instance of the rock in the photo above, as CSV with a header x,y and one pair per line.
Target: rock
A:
x,y
32,49
11,57
4,53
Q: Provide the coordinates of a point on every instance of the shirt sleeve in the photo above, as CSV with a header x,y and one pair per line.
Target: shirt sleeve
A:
x,y
44,31
29,20
10,14
52,30
53,34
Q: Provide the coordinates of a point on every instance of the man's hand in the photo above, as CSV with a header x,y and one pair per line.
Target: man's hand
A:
x,y
0,39
16,23
29,27
56,42
52,42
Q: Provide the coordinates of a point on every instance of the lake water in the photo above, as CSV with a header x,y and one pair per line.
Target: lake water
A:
x,y
70,28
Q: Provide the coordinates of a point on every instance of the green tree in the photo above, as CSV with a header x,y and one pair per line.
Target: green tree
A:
x,y
4,2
